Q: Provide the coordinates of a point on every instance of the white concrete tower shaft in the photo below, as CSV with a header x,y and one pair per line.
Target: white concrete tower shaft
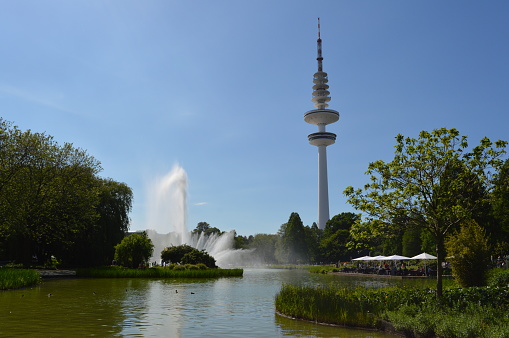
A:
x,y
321,116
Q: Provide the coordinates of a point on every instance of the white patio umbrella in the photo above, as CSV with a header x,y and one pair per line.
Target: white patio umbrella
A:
x,y
397,258
424,256
363,258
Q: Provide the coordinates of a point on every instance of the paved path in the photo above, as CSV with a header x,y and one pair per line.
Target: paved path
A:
x,y
57,273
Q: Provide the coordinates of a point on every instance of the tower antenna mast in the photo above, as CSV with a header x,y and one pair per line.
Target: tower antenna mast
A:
x,y
319,46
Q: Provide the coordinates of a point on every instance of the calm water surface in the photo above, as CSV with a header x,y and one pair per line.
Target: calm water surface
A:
x,y
225,307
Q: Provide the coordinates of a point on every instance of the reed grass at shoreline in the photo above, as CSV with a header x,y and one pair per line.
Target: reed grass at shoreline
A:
x,y
17,278
472,312
157,272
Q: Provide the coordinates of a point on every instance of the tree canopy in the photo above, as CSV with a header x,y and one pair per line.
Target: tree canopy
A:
x,y
469,254
205,228
174,253
292,246
52,202
500,205
135,250
97,245
186,254
336,235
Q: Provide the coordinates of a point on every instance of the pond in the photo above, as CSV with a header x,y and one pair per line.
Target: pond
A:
x,y
225,307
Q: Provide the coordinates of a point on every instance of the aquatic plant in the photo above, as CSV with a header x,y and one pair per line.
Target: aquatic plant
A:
x,y
411,311
17,278
432,320
175,271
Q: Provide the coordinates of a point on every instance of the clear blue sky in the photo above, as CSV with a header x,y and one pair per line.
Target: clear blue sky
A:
x,y
221,87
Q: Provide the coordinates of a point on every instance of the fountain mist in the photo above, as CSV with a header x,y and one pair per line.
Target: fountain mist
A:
x,y
167,223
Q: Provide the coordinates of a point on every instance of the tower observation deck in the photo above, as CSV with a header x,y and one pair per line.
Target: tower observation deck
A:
x,y
321,116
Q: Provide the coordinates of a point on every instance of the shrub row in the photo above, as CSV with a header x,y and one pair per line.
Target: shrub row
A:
x,y
17,278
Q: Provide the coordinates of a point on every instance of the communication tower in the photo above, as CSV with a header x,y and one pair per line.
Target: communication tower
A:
x,y
321,116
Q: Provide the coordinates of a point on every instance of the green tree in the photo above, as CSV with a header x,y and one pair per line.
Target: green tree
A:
x,y
196,257
470,254
375,237
242,242
97,245
206,229
500,206
52,203
432,183
174,253
368,236
313,238
264,246
336,235
411,242
48,195
186,254
427,242
292,244
135,250
201,227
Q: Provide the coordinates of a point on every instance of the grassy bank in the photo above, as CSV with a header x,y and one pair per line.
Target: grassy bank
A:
x,y
17,278
472,312
180,271
323,269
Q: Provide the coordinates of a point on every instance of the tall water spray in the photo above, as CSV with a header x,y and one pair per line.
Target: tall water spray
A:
x,y
167,206
167,222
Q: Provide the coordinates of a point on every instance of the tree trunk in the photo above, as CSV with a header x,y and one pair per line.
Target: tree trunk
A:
x,y
440,259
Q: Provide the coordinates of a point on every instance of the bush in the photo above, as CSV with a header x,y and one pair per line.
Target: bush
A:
x,y
196,257
470,254
498,277
185,254
201,266
174,254
134,250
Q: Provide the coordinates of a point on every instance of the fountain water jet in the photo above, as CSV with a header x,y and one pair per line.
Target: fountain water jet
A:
x,y
167,212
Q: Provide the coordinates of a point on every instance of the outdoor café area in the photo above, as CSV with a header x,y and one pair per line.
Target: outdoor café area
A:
x,y
394,265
